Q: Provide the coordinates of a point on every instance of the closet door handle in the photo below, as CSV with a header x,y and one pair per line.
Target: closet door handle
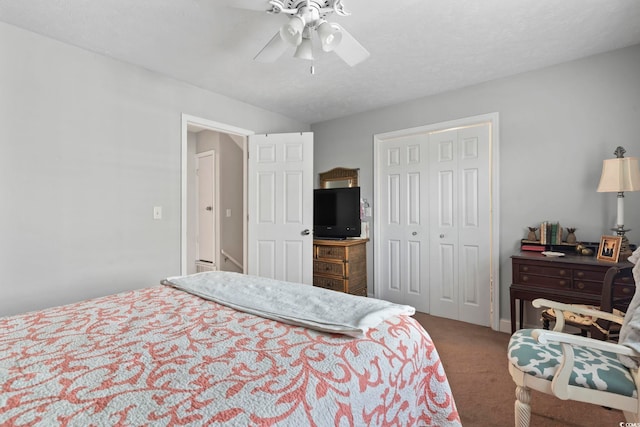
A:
x,y
305,232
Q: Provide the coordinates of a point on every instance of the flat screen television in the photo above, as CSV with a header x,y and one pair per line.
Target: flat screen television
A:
x,y
336,212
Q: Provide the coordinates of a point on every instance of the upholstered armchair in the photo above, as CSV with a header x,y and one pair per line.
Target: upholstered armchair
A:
x,y
572,367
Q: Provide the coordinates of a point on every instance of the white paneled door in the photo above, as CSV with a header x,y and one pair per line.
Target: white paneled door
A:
x,y
460,268
280,243
404,251
434,223
206,241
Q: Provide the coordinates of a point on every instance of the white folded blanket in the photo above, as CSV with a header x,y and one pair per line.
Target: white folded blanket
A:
x,y
292,303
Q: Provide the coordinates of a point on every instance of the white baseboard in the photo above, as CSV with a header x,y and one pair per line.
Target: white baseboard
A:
x,y
505,326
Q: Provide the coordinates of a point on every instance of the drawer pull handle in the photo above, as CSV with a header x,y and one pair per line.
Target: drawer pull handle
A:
x,y
525,268
525,278
563,272
563,282
580,274
626,290
580,285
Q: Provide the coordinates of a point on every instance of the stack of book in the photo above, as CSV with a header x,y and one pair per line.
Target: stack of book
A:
x,y
550,233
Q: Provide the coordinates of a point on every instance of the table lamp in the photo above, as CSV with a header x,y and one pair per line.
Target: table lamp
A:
x,y
619,175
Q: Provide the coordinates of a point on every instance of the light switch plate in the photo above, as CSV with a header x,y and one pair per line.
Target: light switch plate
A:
x,y
157,212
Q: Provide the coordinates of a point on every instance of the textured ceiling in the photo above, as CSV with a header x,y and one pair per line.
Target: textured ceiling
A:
x,y
418,47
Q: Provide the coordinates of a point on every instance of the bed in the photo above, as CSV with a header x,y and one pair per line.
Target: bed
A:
x,y
164,356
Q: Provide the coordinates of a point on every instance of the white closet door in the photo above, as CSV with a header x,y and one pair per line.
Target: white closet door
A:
x,y
443,228
404,222
433,219
460,224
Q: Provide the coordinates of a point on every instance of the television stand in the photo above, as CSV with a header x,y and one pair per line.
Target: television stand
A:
x,y
341,265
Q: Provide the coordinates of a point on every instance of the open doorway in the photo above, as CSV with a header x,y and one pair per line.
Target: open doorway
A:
x,y
225,236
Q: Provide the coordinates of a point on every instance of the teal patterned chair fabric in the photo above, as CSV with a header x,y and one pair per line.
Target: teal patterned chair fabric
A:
x,y
574,367
593,369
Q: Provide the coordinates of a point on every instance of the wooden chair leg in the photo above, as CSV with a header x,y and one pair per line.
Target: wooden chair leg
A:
x,y
522,407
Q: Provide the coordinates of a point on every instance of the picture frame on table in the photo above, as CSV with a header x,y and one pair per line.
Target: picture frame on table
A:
x,y
609,249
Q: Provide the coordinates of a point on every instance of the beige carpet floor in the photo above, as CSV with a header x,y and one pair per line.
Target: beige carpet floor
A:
x,y
475,361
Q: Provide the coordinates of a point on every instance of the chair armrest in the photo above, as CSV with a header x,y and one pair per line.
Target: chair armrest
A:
x,y
560,383
541,302
545,337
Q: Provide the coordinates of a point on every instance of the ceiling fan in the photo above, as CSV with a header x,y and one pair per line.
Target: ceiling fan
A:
x,y
308,17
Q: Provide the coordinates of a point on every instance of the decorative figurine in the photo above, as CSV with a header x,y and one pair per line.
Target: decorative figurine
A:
x,y
532,233
571,237
583,250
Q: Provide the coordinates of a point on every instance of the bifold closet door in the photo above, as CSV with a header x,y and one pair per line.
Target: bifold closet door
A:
x,y
404,221
460,224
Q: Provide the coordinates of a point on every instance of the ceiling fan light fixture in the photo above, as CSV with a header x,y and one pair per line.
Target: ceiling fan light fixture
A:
x,y
304,50
330,36
291,32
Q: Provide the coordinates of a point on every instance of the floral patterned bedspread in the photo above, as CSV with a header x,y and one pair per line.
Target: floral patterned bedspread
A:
x,y
160,356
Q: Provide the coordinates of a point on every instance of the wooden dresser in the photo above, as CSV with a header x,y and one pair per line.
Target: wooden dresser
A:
x,y
341,265
569,279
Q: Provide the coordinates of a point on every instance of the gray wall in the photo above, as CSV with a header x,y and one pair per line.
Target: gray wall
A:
x,y
88,145
556,126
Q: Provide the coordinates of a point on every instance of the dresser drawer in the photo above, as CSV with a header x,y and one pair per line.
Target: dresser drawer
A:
x,y
331,252
596,276
551,271
626,280
624,291
329,283
333,268
545,281
588,286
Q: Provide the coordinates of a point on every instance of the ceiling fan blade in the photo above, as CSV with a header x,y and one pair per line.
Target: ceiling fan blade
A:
x,y
258,5
349,49
273,50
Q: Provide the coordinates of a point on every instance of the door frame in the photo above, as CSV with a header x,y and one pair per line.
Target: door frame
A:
x,y
494,205
189,122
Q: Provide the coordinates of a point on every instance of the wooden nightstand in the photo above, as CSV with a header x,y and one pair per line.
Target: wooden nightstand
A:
x,y
341,265
571,279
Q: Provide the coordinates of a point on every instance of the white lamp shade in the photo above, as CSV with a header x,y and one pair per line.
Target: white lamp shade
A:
x,y
330,36
619,175
291,32
304,50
